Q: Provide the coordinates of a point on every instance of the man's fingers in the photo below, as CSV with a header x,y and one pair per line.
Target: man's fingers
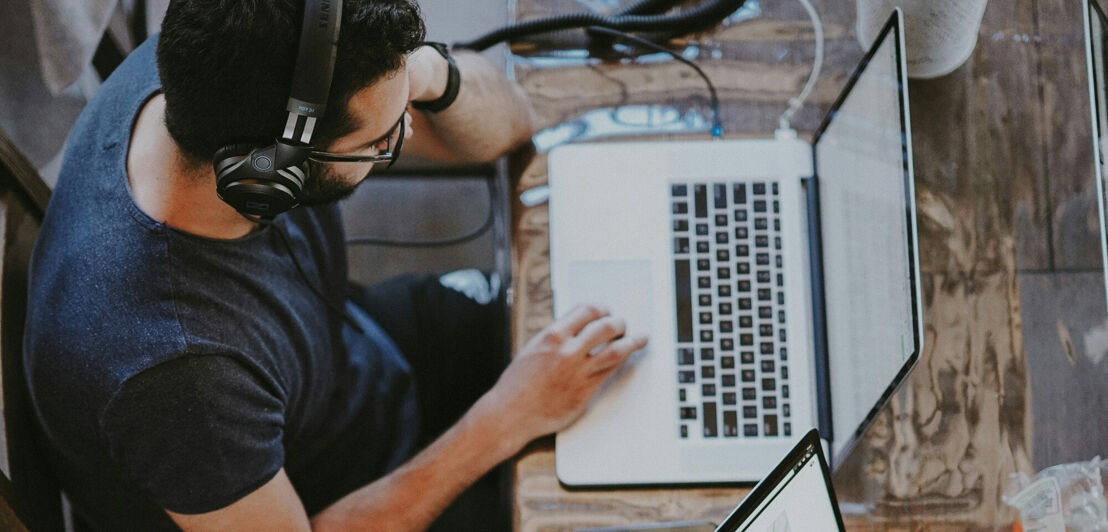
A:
x,y
597,333
616,353
576,320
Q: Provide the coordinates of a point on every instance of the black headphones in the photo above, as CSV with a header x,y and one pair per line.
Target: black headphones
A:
x,y
266,181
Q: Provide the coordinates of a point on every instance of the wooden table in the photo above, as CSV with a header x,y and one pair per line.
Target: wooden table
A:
x,y
1013,377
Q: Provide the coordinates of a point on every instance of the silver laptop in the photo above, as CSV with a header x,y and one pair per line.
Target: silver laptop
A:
x,y
778,281
1096,60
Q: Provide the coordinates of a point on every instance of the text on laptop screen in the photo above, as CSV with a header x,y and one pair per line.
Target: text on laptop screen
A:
x,y
799,502
861,164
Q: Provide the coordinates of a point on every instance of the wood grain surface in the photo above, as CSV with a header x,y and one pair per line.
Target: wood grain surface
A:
x,y
1005,185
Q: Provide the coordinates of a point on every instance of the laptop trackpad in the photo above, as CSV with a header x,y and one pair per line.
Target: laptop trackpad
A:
x,y
624,287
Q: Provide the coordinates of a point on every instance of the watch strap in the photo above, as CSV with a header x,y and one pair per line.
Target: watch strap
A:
x,y
453,82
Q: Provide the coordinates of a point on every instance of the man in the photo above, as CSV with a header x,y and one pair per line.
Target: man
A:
x,y
194,368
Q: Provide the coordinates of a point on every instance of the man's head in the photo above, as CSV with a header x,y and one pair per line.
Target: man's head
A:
x,y
226,68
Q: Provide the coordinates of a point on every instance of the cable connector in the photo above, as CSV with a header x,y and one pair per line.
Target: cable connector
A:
x,y
785,133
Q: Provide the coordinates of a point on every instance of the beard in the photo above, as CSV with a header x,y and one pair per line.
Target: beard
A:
x,y
325,186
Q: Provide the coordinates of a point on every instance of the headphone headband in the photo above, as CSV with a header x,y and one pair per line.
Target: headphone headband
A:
x,y
315,66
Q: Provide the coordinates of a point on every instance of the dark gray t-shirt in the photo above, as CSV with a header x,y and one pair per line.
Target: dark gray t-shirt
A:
x,y
179,372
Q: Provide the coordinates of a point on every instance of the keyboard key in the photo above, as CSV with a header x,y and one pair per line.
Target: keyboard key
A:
x,y
750,412
743,286
679,190
788,429
747,376
776,206
744,303
759,205
742,250
721,238
784,354
779,261
702,246
761,224
704,282
785,409
686,377
688,412
682,396
724,290
780,298
708,372
769,384
705,318
746,339
680,207
684,356
706,335
719,193
680,245
730,423
727,363
781,317
776,242
683,294
747,357
723,255
784,373
703,264
740,232
723,273
774,189
700,199
710,420
726,326
767,366
769,402
780,279
705,300
745,321
740,192
765,294
721,220
785,391
762,259
680,225
763,276
725,309
748,394
742,268
707,353
765,329
707,390
726,344
729,398
684,431
740,215
727,380
701,229
750,430
759,188
776,224
765,312
770,425
767,348
761,241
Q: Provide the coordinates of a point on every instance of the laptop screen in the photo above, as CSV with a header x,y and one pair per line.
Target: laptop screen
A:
x,y
796,496
866,204
1096,37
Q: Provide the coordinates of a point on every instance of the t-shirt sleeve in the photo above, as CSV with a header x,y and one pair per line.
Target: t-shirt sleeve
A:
x,y
196,433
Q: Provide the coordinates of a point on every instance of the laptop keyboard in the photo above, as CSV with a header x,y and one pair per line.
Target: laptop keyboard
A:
x,y
732,363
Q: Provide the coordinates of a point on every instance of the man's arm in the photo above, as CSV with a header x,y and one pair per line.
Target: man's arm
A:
x,y
545,388
490,116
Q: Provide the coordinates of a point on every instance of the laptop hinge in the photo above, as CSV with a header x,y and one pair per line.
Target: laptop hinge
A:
x,y
819,317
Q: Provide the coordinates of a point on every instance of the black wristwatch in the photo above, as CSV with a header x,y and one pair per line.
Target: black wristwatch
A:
x,y
453,81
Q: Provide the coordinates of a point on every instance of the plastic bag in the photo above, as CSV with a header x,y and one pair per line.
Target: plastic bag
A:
x,y
1066,497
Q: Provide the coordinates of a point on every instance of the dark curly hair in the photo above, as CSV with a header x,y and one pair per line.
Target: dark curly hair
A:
x,y
226,66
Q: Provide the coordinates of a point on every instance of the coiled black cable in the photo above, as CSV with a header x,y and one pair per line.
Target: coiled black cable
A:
x,y
700,17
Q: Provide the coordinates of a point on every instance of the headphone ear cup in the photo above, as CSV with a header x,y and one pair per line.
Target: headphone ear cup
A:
x,y
231,154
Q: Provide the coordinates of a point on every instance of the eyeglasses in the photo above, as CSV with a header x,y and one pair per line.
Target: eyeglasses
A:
x,y
390,155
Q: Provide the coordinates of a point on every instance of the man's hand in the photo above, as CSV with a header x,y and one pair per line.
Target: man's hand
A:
x,y
427,73
550,382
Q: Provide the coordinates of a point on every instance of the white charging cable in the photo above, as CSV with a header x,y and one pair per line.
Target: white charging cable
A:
x,y
785,122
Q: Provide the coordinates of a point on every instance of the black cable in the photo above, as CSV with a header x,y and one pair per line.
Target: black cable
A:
x,y
488,223
701,17
717,125
267,222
